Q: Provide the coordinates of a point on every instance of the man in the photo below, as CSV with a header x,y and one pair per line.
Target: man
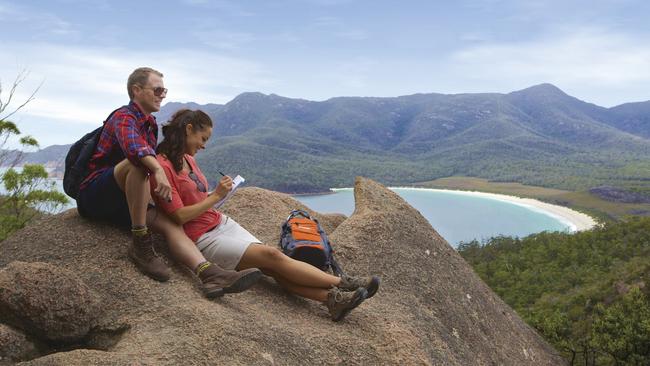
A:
x,y
117,188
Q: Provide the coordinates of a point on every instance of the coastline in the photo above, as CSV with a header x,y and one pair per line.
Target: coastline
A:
x,y
577,221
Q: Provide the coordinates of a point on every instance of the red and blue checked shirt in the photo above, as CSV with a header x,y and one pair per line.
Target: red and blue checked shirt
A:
x,y
129,134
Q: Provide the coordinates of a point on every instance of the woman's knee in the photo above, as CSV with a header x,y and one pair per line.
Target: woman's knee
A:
x,y
270,255
276,255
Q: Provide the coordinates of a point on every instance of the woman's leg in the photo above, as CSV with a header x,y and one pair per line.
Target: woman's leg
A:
x,y
296,272
181,247
303,279
313,293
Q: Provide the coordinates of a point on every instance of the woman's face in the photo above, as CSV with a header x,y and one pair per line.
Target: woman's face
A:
x,y
196,139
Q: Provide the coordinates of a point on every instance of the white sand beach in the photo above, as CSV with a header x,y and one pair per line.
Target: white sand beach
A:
x,y
577,221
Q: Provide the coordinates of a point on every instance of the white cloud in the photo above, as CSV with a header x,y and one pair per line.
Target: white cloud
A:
x,y
328,2
230,8
350,77
580,60
353,34
327,21
82,85
223,39
337,27
32,21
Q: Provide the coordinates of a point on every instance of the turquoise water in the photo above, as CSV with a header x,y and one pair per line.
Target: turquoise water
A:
x,y
456,216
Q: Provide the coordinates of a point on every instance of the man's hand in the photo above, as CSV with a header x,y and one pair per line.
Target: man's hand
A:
x,y
163,188
225,185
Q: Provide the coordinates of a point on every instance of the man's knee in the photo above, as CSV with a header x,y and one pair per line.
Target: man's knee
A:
x,y
125,169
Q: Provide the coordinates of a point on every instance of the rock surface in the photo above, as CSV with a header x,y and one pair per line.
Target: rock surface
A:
x,y
431,309
14,346
47,301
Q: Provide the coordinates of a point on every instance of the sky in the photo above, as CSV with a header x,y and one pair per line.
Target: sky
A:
x,y
80,52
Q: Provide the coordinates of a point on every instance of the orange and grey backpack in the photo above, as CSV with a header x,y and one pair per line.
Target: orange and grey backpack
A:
x,y
303,239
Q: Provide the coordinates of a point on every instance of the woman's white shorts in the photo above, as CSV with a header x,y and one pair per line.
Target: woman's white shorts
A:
x,y
225,244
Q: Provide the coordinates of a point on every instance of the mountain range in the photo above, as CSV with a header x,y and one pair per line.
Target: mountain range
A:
x,y
539,135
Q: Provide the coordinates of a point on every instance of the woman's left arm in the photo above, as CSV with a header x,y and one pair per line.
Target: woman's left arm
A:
x,y
187,213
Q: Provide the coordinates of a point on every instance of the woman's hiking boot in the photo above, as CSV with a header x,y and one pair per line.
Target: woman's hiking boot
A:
x,y
216,281
370,283
340,303
145,258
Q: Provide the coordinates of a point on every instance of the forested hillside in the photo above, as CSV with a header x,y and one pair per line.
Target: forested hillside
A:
x,y
538,136
587,293
633,118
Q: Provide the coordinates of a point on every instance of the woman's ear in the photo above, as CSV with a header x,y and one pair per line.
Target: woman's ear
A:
x,y
188,129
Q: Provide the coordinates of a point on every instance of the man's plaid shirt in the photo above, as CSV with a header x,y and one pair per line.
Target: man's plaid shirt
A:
x,y
130,134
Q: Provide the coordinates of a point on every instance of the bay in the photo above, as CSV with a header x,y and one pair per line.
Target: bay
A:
x,y
456,216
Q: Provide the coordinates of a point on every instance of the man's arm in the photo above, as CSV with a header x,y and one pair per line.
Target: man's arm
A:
x,y
134,146
163,188
137,150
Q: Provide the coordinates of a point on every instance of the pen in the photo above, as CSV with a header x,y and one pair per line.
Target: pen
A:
x,y
223,175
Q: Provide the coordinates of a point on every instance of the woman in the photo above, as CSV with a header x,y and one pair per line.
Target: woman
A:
x,y
224,242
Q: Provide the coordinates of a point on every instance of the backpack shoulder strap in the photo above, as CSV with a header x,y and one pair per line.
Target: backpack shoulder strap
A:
x,y
113,112
336,267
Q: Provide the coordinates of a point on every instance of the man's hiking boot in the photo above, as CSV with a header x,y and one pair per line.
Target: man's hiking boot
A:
x,y
349,283
148,262
340,303
217,281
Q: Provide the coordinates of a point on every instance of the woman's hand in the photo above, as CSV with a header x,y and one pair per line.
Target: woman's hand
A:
x,y
225,185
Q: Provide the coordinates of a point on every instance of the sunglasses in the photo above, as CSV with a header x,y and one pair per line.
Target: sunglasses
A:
x,y
158,91
197,181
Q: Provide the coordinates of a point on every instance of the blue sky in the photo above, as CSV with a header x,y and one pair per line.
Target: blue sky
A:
x,y
211,51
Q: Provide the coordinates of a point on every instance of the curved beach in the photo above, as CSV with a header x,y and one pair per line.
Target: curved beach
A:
x,y
577,221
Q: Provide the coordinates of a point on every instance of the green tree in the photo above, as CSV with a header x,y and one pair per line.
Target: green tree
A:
x,y
567,286
28,190
622,330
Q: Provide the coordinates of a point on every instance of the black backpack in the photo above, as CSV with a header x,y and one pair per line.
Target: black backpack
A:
x,y
303,239
78,157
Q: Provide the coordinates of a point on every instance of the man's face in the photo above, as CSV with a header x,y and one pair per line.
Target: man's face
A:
x,y
146,97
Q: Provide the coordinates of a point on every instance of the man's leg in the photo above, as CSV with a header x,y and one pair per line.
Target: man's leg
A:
x,y
134,182
181,247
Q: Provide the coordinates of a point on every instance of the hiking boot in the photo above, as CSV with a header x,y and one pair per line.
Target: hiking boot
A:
x,y
217,281
349,283
340,303
148,262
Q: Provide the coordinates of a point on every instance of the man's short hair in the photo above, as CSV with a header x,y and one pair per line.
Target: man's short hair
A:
x,y
140,76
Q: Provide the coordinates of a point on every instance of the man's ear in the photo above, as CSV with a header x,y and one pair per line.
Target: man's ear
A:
x,y
135,88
